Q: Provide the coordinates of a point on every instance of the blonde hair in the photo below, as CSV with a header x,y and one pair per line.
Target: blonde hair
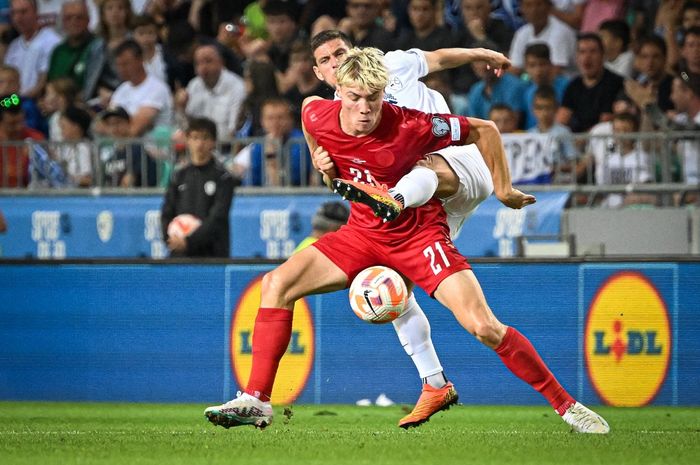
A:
x,y
364,68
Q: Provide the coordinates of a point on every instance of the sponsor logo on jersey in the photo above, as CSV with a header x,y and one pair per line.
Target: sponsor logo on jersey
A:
x,y
455,129
440,126
358,161
390,98
395,84
296,364
627,340
210,188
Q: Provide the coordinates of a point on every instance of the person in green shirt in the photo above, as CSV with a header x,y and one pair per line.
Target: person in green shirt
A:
x,y
70,57
329,217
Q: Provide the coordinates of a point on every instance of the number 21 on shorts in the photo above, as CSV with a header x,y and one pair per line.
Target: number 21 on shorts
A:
x,y
435,259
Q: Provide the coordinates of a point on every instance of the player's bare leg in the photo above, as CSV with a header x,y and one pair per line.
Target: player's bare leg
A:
x,y
462,294
306,272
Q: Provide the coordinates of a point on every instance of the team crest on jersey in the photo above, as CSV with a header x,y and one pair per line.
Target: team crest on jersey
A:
x,y
389,98
440,126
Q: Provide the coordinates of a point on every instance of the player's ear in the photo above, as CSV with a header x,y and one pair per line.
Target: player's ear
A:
x,y
317,72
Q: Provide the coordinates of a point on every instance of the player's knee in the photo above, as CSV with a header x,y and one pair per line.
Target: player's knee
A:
x,y
274,285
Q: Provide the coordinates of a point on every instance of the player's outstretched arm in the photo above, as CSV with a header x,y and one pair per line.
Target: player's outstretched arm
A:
x,y
320,159
485,135
448,58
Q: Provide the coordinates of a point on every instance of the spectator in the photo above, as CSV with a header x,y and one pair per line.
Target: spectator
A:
x,y
271,163
598,11
75,155
569,11
282,30
156,61
623,162
588,98
10,84
505,118
492,89
690,50
14,158
207,194
541,72
329,217
361,25
147,99
261,84
31,51
71,58
651,67
124,163
686,97
425,33
562,148
116,18
543,27
215,92
305,84
60,94
479,29
254,19
615,35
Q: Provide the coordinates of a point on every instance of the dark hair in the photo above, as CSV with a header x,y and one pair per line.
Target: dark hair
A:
x,y
201,125
129,45
695,30
690,5
538,50
590,36
501,106
627,117
654,41
279,8
546,93
143,21
281,101
619,29
328,35
78,116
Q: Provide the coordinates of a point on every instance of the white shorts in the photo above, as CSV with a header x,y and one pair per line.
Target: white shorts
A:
x,y
475,184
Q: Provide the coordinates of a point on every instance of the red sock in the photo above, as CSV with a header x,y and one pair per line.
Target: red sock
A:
x,y
273,329
518,354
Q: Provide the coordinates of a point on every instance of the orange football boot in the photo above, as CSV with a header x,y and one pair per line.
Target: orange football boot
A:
x,y
378,198
431,401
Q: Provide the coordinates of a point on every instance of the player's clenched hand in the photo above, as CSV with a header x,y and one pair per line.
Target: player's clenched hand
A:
x,y
323,162
498,62
516,199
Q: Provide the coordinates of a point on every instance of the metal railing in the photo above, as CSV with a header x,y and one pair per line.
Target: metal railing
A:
x,y
658,163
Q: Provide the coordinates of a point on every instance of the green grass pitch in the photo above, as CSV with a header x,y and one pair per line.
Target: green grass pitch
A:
x,y
97,433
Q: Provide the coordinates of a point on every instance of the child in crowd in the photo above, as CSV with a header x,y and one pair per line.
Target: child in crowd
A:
x,y
75,154
541,72
60,94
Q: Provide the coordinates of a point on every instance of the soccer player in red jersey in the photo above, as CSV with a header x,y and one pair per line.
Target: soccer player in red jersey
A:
x,y
378,142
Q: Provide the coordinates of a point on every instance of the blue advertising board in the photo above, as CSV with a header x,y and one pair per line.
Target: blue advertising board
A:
x,y
262,226
617,333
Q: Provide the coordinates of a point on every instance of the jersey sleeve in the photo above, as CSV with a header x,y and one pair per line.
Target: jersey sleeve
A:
x,y
437,131
311,116
409,65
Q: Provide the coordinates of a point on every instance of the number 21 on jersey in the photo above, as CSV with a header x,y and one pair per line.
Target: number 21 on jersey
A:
x,y
437,261
363,176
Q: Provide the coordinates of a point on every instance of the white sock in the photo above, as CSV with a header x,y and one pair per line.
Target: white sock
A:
x,y
417,187
413,330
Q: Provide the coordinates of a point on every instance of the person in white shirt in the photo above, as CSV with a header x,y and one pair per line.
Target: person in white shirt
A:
x,y
31,51
543,27
615,35
75,153
215,93
146,98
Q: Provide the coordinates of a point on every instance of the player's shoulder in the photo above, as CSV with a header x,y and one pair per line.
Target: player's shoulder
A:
x,y
314,106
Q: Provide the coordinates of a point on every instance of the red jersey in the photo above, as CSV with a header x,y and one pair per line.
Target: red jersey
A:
x,y
384,156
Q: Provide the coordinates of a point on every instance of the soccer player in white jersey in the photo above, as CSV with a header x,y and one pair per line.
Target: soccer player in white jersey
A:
x,y
460,176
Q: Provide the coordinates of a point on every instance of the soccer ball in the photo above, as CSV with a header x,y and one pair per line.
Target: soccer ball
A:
x,y
183,225
378,295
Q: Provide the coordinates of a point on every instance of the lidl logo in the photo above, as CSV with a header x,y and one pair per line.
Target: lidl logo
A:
x,y
296,364
628,340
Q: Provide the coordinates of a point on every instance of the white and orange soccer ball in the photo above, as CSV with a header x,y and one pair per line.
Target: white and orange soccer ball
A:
x,y
183,225
378,295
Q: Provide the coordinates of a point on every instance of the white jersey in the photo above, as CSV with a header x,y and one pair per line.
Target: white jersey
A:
x,y
404,89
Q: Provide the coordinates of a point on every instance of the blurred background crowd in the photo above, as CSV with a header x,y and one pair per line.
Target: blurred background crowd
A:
x,y
84,74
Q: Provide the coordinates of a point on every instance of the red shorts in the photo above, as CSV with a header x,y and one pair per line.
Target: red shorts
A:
x,y
425,258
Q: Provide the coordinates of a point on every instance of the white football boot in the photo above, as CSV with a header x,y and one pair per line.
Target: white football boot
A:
x,y
584,420
243,410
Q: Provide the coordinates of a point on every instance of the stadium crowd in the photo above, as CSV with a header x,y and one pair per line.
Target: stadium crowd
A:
x,y
136,71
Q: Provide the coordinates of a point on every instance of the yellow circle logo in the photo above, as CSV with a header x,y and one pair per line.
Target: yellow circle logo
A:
x,y
627,341
296,364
